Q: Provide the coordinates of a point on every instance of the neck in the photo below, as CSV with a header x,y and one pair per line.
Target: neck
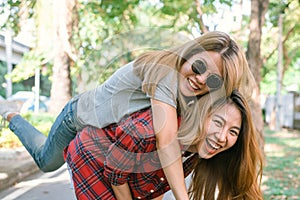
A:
x,y
191,148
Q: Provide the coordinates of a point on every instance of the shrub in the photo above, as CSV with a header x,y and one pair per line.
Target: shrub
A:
x,y
42,122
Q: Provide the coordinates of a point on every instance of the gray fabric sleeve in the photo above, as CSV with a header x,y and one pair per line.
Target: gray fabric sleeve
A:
x,y
166,90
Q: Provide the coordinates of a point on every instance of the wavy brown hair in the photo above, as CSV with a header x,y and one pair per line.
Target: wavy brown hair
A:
x,y
236,172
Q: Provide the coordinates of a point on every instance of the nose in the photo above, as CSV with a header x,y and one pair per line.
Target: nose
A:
x,y
201,78
221,136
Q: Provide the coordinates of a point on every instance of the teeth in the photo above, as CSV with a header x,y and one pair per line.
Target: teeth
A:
x,y
213,145
193,85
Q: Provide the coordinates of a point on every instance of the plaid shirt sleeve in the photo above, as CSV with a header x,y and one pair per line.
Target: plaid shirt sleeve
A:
x,y
133,138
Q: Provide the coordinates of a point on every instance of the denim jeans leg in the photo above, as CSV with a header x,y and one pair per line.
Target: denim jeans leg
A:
x,y
48,151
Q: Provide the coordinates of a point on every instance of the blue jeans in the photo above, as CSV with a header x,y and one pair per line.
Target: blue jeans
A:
x,y
47,152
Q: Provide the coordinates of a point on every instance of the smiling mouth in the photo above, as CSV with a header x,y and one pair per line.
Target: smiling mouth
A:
x,y
193,85
212,144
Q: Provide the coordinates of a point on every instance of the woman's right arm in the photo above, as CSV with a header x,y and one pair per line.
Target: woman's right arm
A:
x,y
169,152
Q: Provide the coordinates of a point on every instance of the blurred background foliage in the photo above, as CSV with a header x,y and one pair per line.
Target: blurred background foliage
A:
x,y
110,33
41,121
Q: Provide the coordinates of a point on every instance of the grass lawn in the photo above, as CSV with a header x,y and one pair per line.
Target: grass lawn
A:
x,y
281,177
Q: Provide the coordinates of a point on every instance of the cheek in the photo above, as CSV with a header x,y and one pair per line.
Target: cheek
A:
x,y
200,149
211,128
185,69
231,141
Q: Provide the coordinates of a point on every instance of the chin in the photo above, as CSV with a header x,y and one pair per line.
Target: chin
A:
x,y
205,155
186,93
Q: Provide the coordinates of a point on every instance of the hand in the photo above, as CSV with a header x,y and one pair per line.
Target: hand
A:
x,y
122,192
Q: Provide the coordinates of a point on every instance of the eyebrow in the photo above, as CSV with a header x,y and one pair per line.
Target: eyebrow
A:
x,y
219,116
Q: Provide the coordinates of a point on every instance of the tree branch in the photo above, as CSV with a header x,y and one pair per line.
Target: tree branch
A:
x,y
203,28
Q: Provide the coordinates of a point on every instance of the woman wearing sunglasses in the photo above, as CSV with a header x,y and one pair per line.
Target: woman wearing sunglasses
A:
x,y
166,80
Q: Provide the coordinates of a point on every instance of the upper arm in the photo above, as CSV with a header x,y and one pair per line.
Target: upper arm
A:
x,y
164,122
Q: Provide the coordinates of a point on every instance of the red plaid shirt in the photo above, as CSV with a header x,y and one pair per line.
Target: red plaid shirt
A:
x,y
119,153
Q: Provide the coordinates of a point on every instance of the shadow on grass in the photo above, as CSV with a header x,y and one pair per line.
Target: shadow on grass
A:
x,y
281,177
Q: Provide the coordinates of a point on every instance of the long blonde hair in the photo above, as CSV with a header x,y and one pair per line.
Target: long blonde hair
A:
x,y
237,171
151,67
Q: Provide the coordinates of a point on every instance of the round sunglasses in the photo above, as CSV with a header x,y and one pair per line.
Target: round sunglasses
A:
x,y
213,81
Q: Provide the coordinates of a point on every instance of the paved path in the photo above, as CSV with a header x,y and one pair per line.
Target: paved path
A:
x,y
41,186
20,179
15,165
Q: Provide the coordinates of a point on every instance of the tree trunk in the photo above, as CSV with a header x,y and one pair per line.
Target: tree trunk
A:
x,y
202,26
258,10
61,89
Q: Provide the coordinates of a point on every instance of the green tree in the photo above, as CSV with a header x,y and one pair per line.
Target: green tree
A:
x,y
79,36
53,46
258,11
101,35
63,57
291,54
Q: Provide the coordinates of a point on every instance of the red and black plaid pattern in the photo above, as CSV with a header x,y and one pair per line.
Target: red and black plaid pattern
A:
x,y
119,153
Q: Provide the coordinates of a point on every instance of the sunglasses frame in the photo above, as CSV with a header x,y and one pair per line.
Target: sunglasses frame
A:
x,y
213,81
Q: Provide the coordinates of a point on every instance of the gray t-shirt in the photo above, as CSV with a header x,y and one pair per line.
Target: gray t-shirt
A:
x,y
121,95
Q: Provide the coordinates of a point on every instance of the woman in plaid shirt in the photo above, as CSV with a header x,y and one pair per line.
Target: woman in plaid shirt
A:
x,y
165,80
225,155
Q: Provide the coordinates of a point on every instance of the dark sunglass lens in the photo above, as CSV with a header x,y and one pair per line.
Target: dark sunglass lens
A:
x,y
214,81
199,67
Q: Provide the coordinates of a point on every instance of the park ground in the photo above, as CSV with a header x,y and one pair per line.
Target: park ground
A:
x,y
281,176
281,173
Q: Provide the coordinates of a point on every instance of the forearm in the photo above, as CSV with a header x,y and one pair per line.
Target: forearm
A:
x,y
122,192
176,180
172,165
